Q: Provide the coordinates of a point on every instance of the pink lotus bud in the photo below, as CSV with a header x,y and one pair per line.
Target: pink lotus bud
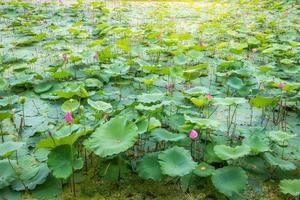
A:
x,y
254,50
65,57
59,1
193,134
280,85
68,117
209,96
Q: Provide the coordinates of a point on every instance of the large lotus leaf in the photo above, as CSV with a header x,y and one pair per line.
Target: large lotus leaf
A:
x,y
63,160
280,136
290,186
5,115
48,190
197,91
70,105
176,161
210,155
3,84
31,173
235,83
100,105
203,169
282,164
260,101
66,130
229,180
93,82
115,136
42,87
226,152
257,144
148,167
114,169
7,173
229,101
8,194
150,98
8,148
9,100
52,142
161,134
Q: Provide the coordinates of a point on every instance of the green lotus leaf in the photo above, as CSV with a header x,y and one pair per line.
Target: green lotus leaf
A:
x,y
150,98
42,87
210,155
68,139
5,115
100,105
197,91
282,164
62,160
8,148
260,101
176,161
48,190
114,169
115,136
7,193
7,173
203,169
93,83
235,83
3,84
226,152
229,101
229,180
9,100
70,105
161,134
199,102
288,186
257,144
148,167
280,136
31,173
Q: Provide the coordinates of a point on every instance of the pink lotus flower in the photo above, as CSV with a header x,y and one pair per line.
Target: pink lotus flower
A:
x,y
254,50
158,37
68,117
280,85
209,96
193,134
65,57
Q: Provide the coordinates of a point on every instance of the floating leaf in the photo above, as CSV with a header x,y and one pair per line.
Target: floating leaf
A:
x,y
176,161
161,134
148,167
229,180
226,152
63,160
282,164
290,186
70,105
100,105
203,169
115,136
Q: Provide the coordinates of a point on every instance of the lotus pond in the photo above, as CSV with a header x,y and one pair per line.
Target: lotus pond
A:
x,y
150,100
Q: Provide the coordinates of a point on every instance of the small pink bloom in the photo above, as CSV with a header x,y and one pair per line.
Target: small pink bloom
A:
x,y
68,117
254,50
65,57
209,96
193,134
59,1
280,85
